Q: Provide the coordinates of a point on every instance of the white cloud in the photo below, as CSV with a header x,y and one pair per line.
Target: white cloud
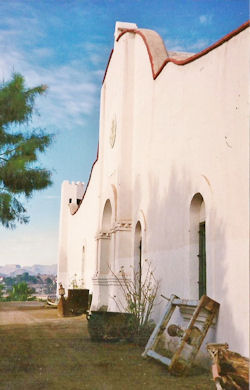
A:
x,y
186,46
71,96
94,51
74,85
96,59
162,31
43,52
205,19
199,45
99,73
175,45
73,90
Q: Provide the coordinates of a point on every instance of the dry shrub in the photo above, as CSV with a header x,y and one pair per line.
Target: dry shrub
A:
x,y
139,295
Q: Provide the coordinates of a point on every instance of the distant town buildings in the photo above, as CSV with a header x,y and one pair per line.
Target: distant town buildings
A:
x,y
42,284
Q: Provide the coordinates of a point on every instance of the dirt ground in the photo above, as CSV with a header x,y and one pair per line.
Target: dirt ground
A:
x,y
41,351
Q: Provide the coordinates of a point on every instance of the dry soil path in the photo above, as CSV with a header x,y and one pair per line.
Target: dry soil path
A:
x,y
13,313
42,351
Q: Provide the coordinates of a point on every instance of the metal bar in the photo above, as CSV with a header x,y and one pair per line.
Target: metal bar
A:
x,y
186,302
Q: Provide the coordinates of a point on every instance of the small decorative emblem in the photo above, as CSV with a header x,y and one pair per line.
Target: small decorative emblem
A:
x,y
112,133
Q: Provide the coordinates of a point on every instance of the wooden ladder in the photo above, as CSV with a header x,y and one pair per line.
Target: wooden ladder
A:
x,y
188,347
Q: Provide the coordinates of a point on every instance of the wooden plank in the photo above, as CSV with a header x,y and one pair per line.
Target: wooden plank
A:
x,y
229,367
186,302
158,357
207,303
205,327
160,327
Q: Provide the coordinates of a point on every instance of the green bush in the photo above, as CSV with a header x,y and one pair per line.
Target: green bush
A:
x,y
20,292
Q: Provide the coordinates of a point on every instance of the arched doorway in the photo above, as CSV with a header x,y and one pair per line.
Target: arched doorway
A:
x,y
198,244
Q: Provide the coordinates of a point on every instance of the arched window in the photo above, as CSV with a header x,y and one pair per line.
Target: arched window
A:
x,y
198,244
138,254
106,218
105,239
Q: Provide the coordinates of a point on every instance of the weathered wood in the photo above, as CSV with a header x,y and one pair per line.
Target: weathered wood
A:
x,y
217,384
159,357
191,338
184,355
186,302
229,369
160,327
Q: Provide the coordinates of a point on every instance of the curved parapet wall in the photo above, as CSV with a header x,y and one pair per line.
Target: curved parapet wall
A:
x,y
159,57
158,54
155,47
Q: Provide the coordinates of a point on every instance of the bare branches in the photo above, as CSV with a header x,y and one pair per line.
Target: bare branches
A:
x,y
139,293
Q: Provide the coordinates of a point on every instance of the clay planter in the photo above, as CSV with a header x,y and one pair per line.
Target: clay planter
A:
x,y
110,326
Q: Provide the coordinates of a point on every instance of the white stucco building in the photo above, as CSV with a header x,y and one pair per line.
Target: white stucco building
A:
x,y
170,183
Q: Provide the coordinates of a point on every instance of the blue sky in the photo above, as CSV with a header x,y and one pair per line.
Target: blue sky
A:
x,y
66,45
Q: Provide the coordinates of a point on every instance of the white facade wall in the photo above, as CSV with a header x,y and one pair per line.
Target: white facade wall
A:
x,y
186,132
77,232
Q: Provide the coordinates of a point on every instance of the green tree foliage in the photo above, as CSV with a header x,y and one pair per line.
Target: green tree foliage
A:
x,y
24,277
48,281
20,292
9,281
1,291
19,173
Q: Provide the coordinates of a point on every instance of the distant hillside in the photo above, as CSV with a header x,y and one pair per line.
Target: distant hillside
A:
x,y
16,269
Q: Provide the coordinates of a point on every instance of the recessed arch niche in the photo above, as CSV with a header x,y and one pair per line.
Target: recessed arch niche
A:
x,y
105,250
198,277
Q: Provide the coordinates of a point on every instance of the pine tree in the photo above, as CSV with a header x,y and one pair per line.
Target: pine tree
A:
x,y
20,173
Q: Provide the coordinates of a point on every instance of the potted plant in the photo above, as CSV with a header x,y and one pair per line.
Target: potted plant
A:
x,y
133,321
